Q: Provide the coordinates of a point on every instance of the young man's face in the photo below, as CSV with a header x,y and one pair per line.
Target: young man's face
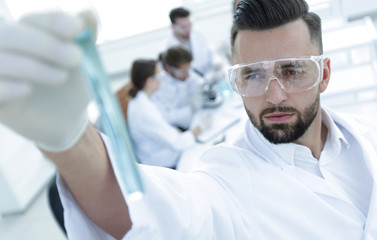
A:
x,y
281,116
182,28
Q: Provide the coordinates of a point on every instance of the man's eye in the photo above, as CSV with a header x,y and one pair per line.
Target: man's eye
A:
x,y
294,72
254,76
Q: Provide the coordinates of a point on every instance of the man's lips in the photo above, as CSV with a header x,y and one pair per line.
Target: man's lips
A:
x,y
279,116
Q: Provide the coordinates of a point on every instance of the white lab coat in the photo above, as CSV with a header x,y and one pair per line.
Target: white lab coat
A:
x,y
156,142
176,99
200,50
239,192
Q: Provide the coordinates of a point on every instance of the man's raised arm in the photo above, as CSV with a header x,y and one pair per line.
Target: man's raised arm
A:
x,y
43,97
88,174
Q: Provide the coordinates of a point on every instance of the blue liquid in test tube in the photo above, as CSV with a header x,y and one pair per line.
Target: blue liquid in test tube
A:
x,y
111,117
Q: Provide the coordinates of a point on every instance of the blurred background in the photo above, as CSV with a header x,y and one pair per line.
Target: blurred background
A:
x,y
134,29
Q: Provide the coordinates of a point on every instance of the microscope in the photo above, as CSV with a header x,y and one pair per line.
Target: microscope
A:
x,y
211,96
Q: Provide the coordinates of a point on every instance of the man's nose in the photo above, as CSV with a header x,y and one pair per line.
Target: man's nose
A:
x,y
275,93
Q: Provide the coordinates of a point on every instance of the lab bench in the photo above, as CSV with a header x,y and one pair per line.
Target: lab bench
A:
x,y
24,172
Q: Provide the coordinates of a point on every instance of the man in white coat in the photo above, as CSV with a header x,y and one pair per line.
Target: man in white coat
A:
x,y
183,35
179,94
299,171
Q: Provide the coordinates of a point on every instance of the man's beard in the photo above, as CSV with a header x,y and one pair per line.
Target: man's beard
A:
x,y
185,37
286,132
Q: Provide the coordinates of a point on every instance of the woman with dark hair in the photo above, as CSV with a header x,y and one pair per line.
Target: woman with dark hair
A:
x,y
156,142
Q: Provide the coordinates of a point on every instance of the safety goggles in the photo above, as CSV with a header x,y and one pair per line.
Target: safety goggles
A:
x,y
180,72
292,74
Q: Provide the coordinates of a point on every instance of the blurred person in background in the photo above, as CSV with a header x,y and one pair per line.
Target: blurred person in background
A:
x,y
156,142
182,34
179,94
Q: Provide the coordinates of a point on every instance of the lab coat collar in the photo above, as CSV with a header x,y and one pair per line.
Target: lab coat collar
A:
x,y
335,138
275,152
289,151
366,139
282,156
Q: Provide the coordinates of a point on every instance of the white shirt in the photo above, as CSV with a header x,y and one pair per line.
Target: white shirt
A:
x,y
156,142
256,190
199,48
174,98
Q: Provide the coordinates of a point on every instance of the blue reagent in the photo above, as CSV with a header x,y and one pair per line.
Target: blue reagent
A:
x,y
111,117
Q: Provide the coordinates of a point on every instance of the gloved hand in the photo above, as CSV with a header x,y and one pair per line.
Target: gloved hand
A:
x,y
43,96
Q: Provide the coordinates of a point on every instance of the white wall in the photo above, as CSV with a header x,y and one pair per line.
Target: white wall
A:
x,y
212,18
354,9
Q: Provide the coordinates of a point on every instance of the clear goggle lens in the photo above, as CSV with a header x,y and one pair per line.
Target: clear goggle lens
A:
x,y
180,72
292,74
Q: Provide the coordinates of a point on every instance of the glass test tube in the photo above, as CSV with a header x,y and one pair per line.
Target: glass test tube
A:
x,y
111,118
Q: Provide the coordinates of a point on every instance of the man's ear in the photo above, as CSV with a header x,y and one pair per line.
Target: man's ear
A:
x,y
326,75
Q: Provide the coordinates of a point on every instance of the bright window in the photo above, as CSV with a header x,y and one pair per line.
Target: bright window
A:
x,y
118,18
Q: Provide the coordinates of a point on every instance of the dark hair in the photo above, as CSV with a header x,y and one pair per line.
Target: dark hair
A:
x,y
234,5
258,15
176,56
140,71
178,13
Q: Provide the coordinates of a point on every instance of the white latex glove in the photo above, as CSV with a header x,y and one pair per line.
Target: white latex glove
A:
x,y
42,94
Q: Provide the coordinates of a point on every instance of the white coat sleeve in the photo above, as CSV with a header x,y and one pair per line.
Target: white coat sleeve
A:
x,y
173,207
188,206
171,137
170,209
151,123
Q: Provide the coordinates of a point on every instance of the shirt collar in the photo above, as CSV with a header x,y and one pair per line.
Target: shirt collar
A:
x,y
288,151
285,151
335,138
